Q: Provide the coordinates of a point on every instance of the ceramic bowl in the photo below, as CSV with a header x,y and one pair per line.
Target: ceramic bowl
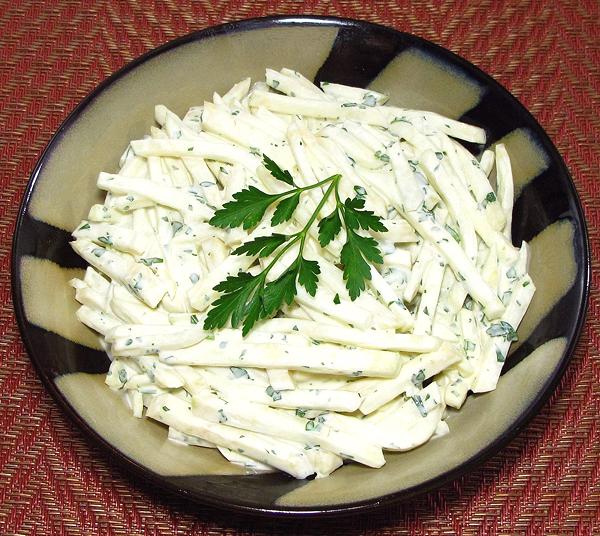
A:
x,y
184,72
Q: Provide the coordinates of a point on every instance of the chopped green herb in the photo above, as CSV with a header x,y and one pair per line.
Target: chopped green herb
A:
x,y
122,375
149,261
275,395
420,406
369,100
502,329
137,283
490,197
311,425
382,156
469,346
176,227
360,191
401,120
239,372
452,232
418,378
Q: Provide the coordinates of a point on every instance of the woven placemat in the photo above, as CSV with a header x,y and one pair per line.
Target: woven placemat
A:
x,y
54,481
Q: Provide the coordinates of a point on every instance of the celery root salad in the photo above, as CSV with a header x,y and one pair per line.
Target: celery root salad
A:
x,y
301,277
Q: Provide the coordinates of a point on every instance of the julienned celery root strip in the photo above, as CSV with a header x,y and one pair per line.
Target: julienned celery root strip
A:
x,y
323,358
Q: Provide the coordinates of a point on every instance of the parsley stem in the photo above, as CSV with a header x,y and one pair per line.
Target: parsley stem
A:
x,y
334,178
294,239
340,208
301,235
338,201
302,189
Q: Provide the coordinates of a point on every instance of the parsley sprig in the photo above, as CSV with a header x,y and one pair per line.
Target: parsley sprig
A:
x,y
247,298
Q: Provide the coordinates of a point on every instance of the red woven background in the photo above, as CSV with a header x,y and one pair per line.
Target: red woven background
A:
x,y
54,481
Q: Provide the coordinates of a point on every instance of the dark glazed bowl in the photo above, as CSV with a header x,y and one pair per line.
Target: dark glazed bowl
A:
x,y
416,73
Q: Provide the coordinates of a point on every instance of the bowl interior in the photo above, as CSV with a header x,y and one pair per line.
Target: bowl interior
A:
x,y
183,73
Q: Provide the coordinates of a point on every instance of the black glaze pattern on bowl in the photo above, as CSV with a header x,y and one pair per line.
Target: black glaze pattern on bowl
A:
x,y
548,198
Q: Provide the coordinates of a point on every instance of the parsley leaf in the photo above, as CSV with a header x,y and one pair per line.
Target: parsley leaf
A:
x,y
308,275
262,246
277,172
365,219
354,256
254,311
358,250
285,209
240,300
282,289
329,227
247,209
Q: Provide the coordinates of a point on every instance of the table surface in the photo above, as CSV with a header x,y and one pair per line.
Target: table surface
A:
x,y
54,481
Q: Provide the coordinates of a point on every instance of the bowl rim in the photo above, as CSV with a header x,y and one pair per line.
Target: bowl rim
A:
x,y
138,470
